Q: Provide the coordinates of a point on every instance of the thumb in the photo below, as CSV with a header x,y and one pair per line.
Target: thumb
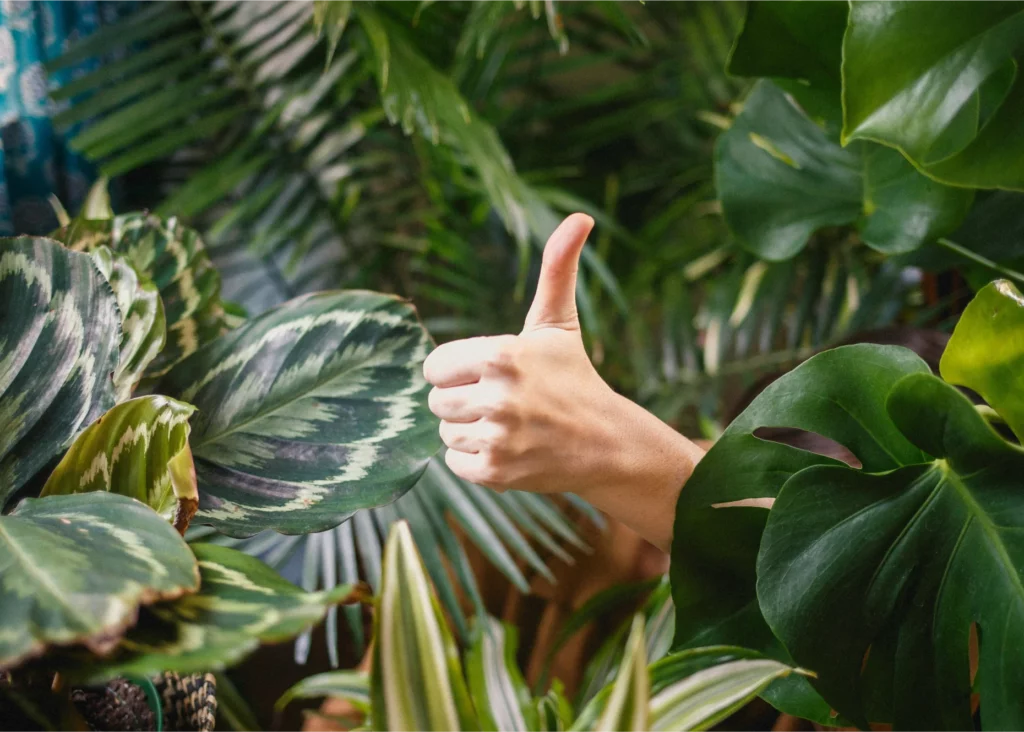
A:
x,y
554,305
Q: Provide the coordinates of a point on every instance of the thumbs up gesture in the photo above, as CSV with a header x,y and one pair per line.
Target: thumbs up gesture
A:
x,y
530,412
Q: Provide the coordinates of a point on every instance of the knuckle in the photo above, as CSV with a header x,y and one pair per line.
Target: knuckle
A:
x,y
504,357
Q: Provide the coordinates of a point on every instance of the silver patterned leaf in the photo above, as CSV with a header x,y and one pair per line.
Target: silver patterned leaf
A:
x,y
59,335
76,568
308,413
143,325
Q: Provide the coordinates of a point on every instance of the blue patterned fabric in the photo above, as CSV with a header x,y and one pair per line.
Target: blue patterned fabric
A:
x,y
35,161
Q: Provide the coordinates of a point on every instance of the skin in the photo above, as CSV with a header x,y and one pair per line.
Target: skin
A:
x,y
530,412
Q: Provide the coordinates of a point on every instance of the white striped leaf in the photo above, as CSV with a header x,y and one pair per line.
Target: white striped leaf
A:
x,y
496,685
416,680
626,708
74,569
143,325
59,334
241,603
174,258
138,449
352,686
308,413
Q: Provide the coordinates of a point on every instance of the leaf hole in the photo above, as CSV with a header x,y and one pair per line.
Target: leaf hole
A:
x,y
809,441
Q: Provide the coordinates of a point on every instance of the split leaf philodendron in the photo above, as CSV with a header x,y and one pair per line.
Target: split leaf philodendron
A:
x,y
894,553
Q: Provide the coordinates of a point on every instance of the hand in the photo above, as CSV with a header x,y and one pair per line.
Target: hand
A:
x,y
530,412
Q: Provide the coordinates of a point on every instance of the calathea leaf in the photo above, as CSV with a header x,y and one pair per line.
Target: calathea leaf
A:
x,y
308,413
896,567
241,603
838,394
59,334
143,325
174,258
138,449
76,568
781,178
940,83
416,680
986,351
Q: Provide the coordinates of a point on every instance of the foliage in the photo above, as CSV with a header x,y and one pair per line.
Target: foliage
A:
x,y
871,558
417,680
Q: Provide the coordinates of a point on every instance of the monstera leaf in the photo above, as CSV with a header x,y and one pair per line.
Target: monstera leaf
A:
x,y
240,604
986,352
839,394
896,567
59,334
308,413
138,449
143,325
781,178
174,258
939,82
76,568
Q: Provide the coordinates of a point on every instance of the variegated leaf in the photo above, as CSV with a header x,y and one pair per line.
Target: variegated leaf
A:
x,y
627,708
138,449
174,258
428,693
496,685
241,603
308,413
59,333
74,569
143,325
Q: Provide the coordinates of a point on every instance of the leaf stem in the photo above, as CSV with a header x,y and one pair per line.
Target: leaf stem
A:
x,y
979,259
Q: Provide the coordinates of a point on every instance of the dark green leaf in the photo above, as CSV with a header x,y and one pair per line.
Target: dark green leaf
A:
x,y
59,334
308,413
902,563
77,568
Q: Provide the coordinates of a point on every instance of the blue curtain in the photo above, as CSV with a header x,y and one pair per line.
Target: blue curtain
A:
x,y
35,161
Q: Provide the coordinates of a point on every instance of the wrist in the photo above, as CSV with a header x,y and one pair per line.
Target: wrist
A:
x,y
644,466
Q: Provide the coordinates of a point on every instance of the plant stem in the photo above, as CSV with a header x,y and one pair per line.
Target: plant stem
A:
x,y
979,259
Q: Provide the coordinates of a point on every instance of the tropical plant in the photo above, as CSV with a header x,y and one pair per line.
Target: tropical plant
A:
x,y
418,681
325,412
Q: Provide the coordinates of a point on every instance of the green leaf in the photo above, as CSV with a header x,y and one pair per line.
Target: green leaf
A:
x,y
698,688
627,704
334,17
902,563
143,325
241,603
59,334
352,686
496,685
138,449
781,178
838,394
920,78
986,351
174,258
416,680
308,413
76,569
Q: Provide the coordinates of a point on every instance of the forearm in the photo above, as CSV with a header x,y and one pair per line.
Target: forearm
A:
x,y
646,464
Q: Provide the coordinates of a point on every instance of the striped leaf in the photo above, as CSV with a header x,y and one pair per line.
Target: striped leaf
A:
x,y
352,686
627,706
138,449
416,680
500,695
240,604
59,337
75,569
143,324
695,689
308,413
174,258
